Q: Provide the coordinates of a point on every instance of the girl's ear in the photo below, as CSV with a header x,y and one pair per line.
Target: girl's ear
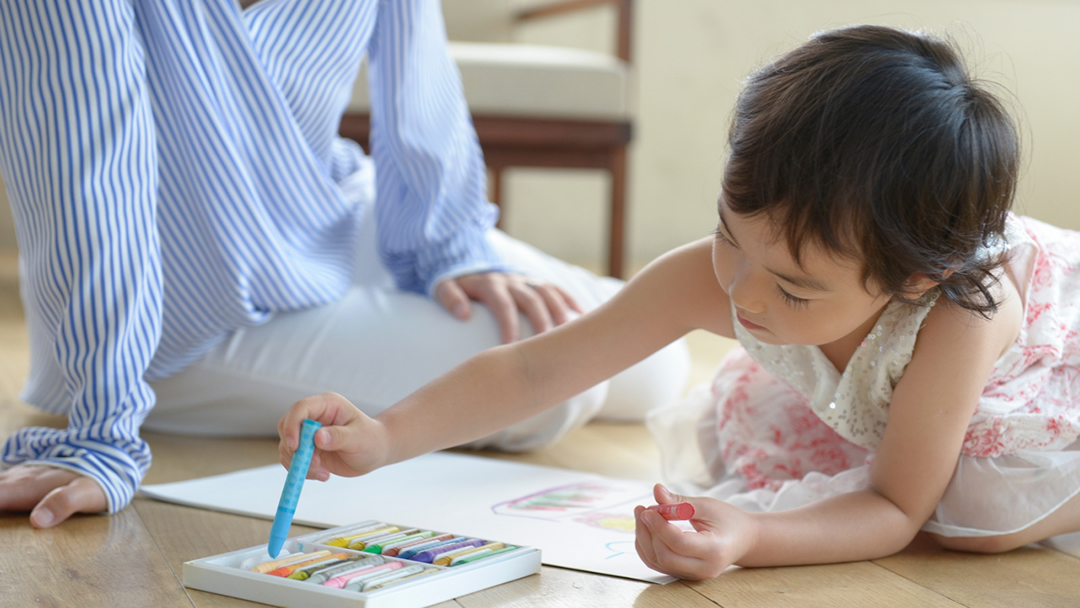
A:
x,y
918,283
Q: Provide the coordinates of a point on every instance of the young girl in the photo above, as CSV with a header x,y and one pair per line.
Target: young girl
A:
x,y
909,356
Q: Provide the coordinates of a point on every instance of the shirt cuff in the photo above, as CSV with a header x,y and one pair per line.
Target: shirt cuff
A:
x,y
117,468
467,252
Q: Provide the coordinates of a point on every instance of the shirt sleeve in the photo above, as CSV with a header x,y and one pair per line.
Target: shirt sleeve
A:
x,y
77,153
431,202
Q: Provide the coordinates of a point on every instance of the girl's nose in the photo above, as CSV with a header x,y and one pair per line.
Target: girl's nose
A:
x,y
747,290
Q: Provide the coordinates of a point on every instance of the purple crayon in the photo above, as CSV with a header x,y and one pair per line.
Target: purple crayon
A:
x,y
412,551
429,555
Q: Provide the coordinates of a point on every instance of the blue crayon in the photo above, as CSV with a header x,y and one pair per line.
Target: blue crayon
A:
x,y
290,494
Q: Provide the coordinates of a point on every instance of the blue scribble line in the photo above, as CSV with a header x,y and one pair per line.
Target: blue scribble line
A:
x,y
616,552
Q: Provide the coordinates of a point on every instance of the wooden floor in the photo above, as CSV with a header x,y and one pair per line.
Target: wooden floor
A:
x,y
135,558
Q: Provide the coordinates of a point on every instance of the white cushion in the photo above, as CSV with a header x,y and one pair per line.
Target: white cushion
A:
x,y
534,81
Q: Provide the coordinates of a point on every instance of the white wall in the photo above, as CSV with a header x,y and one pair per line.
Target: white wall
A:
x,y
691,56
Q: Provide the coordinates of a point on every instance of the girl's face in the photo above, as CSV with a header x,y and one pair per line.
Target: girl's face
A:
x,y
780,302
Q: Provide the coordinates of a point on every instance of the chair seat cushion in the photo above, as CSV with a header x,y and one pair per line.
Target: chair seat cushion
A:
x,y
533,81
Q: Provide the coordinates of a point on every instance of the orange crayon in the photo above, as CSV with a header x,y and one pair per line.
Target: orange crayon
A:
x,y
290,568
285,561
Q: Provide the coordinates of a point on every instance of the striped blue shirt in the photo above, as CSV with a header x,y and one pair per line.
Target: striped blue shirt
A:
x,y
173,168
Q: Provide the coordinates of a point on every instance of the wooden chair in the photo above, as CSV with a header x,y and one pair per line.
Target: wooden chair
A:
x,y
540,106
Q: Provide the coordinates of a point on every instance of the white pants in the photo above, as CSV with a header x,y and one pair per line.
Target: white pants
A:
x,y
378,344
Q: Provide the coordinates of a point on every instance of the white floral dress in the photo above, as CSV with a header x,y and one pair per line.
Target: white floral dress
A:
x,y
779,426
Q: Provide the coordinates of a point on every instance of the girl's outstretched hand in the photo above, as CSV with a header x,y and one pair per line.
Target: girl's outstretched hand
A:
x,y
722,535
348,444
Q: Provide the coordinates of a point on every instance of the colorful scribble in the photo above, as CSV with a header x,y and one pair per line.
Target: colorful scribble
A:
x,y
605,504
621,522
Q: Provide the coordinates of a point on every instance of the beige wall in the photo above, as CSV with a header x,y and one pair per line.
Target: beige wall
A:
x,y
691,56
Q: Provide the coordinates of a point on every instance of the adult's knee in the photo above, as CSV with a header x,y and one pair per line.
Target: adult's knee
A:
x,y
657,381
548,427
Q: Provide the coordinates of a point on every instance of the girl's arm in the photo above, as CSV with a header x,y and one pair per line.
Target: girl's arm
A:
x,y
930,411
510,383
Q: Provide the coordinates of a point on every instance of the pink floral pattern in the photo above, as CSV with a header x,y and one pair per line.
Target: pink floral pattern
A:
x,y
768,434
1032,398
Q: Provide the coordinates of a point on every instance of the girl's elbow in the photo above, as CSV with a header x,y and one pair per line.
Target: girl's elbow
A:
x,y
903,537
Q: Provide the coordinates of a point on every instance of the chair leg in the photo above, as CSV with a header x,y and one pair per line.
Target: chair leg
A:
x,y
495,194
616,242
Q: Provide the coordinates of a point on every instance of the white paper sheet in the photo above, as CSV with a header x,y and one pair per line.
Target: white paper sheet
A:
x,y
578,520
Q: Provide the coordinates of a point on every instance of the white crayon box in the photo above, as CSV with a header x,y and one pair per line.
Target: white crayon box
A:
x,y
367,565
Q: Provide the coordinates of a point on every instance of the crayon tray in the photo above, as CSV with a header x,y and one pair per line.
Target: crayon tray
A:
x,y
232,574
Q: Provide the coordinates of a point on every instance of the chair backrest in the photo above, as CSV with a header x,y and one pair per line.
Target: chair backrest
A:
x,y
480,20
494,20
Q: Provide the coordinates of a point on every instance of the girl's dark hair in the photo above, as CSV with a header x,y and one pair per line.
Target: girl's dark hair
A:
x,y
875,144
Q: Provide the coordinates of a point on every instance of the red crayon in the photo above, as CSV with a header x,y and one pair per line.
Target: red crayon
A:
x,y
680,510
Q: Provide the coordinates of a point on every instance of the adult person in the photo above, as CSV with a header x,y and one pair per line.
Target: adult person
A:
x,y
199,248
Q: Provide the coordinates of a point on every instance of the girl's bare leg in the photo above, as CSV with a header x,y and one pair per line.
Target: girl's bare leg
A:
x,y
1062,521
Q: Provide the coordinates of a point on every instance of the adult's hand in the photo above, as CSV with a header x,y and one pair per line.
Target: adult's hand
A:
x,y
544,304
51,495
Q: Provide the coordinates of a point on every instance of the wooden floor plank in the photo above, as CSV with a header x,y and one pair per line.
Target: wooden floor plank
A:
x,y
1029,576
179,458
851,585
91,560
14,340
185,534
562,588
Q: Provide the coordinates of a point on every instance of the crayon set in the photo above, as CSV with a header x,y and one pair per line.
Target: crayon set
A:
x,y
370,565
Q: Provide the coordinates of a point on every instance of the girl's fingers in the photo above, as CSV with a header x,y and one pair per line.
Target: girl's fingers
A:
x,y
643,539
665,496
698,545
330,409
709,513
668,562
668,549
339,439
284,453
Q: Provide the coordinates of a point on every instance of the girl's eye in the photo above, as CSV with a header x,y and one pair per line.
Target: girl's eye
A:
x,y
793,301
719,235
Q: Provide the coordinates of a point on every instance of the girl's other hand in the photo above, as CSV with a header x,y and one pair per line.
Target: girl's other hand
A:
x,y
722,535
348,444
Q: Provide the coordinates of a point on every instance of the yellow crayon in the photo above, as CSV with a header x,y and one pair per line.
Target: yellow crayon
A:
x,y
345,541
277,563
445,559
367,541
